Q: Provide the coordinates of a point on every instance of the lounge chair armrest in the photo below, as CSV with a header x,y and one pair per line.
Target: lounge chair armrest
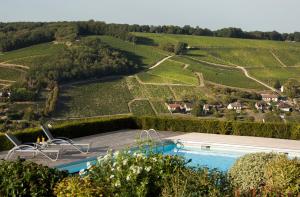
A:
x,y
33,144
64,138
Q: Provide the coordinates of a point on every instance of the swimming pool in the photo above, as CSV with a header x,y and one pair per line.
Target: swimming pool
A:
x,y
203,156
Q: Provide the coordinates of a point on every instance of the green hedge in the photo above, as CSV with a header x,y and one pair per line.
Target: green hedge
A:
x,y
85,127
73,129
273,130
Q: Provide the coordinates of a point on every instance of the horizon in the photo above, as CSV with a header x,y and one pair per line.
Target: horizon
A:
x,y
270,15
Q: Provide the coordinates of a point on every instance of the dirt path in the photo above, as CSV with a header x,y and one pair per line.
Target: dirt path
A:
x,y
246,73
160,62
141,99
163,84
211,63
21,58
201,79
14,66
6,81
258,81
277,58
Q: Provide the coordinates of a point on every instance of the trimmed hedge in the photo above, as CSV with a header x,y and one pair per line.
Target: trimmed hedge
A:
x,y
85,127
272,130
73,129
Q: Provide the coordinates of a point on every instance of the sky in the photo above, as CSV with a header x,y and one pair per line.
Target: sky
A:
x,y
250,15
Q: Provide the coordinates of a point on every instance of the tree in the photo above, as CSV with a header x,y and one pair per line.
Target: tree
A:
x,y
168,47
291,88
277,84
180,48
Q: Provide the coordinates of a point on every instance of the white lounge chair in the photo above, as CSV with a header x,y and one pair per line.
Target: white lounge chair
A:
x,y
29,148
62,141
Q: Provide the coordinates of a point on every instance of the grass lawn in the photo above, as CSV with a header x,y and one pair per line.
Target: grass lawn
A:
x,y
93,99
188,92
141,107
158,92
148,77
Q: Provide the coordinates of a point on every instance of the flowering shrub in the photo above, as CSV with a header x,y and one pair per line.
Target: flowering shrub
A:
x,y
137,174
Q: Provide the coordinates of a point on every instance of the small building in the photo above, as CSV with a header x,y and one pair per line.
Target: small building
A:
x,y
235,106
188,107
174,107
284,107
206,108
261,105
270,97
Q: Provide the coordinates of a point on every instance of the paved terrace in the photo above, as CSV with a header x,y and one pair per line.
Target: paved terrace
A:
x,y
100,143
117,140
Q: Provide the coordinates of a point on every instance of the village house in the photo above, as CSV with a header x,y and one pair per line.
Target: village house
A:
x,y
206,108
270,97
285,107
174,107
261,105
188,107
235,106
180,107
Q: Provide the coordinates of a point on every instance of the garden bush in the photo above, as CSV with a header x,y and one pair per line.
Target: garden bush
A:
x,y
22,178
197,182
248,172
283,176
77,186
126,174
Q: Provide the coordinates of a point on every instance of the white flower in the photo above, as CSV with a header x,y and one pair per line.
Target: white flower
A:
x,y
148,168
154,159
125,162
134,154
128,177
118,183
116,153
112,169
112,176
139,169
118,168
115,163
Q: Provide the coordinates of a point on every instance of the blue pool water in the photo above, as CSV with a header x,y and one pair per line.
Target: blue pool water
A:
x,y
219,159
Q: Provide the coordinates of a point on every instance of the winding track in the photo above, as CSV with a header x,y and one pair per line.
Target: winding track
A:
x,y
161,61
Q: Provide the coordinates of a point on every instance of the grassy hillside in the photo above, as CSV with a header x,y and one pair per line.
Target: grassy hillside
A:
x,y
26,56
148,54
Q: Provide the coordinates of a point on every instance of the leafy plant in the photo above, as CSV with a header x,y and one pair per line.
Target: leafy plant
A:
x,y
247,173
283,175
22,178
137,174
76,186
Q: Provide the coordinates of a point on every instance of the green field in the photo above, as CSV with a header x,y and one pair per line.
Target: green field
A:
x,y
93,99
160,107
11,74
221,75
149,55
26,56
141,107
174,71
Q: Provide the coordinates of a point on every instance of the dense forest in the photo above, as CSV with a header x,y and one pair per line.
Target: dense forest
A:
x,y
84,59
22,34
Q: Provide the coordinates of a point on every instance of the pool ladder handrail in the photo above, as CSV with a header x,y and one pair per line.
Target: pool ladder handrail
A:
x,y
150,137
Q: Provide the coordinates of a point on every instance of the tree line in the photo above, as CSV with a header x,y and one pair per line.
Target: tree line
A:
x,y
22,34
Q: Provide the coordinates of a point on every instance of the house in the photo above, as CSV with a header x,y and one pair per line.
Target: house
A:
x,y
188,107
270,97
236,106
206,108
174,107
284,107
261,105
